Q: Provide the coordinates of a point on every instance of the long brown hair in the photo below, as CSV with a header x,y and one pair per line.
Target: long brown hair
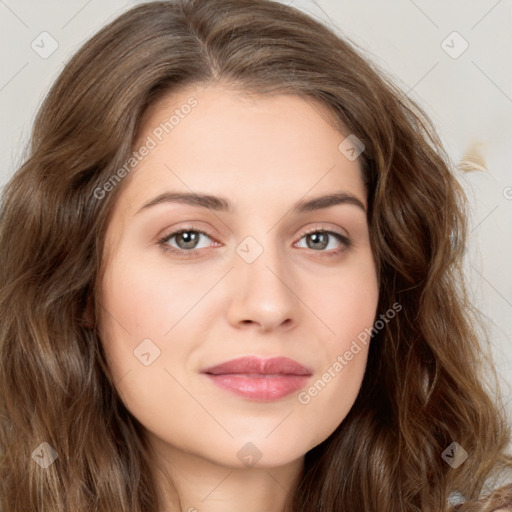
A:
x,y
427,380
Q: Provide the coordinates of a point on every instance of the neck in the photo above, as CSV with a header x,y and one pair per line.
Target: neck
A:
x,y
191,483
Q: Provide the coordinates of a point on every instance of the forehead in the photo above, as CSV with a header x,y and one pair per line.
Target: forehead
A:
x,y
215,139
226,96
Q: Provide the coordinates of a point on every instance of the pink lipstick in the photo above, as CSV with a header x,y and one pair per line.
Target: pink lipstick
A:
x,y
259,379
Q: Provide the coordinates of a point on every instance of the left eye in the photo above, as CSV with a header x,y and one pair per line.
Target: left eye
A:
x,y
320,240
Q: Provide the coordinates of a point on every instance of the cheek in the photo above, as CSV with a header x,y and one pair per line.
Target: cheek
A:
x,y
137,310
348,313
145,300
346,302
147,309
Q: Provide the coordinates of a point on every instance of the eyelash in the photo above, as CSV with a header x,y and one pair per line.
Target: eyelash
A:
x,y
162,242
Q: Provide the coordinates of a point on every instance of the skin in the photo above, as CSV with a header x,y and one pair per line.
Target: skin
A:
x,y
263,153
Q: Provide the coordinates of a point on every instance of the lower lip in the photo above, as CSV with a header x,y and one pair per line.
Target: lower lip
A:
x,y
264,388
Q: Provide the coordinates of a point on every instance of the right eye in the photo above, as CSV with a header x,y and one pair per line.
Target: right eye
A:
x,y
185,240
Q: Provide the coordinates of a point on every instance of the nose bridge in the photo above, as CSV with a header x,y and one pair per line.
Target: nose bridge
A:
x,y
260,258
263,291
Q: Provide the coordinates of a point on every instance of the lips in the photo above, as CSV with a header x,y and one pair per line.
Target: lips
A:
x,y
259,379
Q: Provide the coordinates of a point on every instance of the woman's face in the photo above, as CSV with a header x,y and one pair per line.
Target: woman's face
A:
x,y
262,282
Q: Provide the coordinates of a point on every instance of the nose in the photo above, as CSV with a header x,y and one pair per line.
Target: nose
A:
x,y
263,295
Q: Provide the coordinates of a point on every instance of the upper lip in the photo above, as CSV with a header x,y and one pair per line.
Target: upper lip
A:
x,y
258,365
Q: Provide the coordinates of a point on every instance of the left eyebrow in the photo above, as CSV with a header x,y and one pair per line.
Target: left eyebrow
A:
x,y
222,204
318,203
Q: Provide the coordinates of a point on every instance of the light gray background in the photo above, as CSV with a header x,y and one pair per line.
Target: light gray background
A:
x,y
468,97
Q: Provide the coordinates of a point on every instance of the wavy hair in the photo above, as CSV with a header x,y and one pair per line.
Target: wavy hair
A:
x,y
428,376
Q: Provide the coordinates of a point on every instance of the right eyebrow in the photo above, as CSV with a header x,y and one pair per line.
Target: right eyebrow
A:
x,y
193,199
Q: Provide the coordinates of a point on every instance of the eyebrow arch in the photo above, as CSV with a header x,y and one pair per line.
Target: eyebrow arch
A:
x,y
222,204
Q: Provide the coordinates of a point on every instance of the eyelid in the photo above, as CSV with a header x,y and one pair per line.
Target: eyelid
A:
x,y
324,229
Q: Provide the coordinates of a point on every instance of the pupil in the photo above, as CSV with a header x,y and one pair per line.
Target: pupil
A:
x,y
189,239
315,237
